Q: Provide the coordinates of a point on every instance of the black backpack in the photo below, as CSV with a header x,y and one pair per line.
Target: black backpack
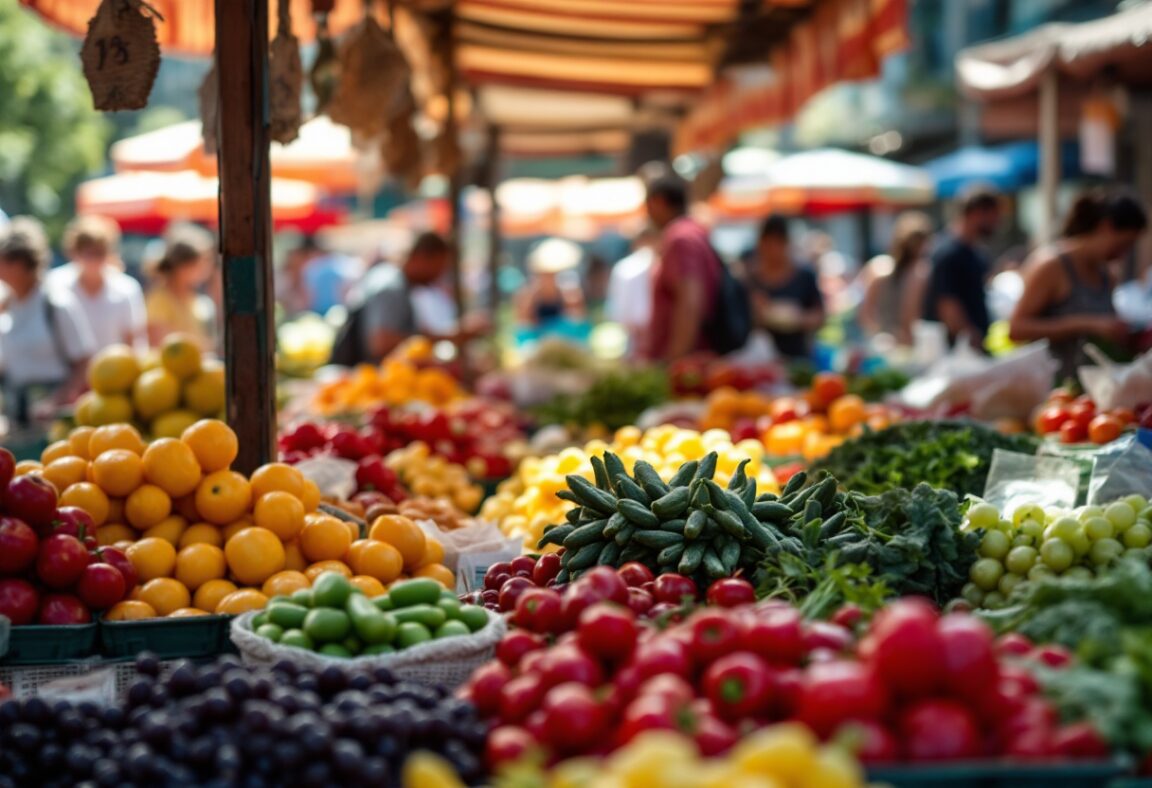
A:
x,y
348,348
731,322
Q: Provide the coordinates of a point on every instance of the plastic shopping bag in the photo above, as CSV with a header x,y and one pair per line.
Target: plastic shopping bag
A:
x,y
1017,479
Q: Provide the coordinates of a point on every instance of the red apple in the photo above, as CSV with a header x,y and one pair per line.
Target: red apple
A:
x,y
117,558
74,521
100,586
32,499
18,545
7,467
18,601
57,609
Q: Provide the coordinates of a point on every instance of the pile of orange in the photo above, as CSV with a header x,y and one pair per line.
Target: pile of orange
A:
x,y
395,382
204,538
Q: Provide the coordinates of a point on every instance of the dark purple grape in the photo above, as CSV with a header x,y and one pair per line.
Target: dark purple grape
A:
x,y
139,759
332,679
201,750
360,682
24,737
139,693
287,755
10,712
347,756
374,771
36,711
307,681
228,759
384,676
218,704
106,773
261,687
207,678
182,681
148,664
112,717
79,759
89,709
315,775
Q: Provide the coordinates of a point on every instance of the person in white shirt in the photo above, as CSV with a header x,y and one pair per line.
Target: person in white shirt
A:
x,y
629,300
113,302
45,340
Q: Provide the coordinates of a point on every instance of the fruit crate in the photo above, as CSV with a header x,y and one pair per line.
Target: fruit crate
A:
x,y
167,638
1068,774
24,681
51,645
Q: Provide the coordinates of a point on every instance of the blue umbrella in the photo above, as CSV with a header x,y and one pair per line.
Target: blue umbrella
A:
x,y
1008,167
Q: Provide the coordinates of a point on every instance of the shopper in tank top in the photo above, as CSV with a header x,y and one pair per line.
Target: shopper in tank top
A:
x,y
1067,287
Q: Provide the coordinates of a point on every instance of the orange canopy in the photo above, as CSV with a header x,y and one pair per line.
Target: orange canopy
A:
x,y
322,155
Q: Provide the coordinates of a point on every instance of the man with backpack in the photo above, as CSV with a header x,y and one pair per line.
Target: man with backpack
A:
x,y
697,305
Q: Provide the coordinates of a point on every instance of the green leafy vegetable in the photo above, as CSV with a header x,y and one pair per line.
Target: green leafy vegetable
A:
x,y
950,454
615,400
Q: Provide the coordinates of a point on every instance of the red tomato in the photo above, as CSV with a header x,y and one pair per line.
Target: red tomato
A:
x,y
1080,740
74,521
1104,429
731,592
607,583
538,610
635,574
787,687
969,660
1052,655
739,685
101,585
905,648
569,663
714,634
1082,413
520,697
486,685
847,615
835,692
61,561
1123,415
18,545
672,688
824,635
516,644
507,744
776,634
646,713
546,569
1073,432
1051,419
608,631
1013,644
573,718
712,735
939,730
674,588
874,743
640,601
511,590
826,388
658,657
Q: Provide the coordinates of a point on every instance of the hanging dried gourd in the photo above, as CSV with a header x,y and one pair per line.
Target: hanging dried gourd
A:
x,y
373,77
286,80
120,55
325,74
209,95
401,150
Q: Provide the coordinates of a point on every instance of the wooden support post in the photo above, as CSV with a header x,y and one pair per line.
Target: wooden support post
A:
x,y
1049,142
495,237
455,180
246,227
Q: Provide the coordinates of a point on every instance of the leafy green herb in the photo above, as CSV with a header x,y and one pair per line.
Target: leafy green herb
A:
x,y
615,400
907,540
953,454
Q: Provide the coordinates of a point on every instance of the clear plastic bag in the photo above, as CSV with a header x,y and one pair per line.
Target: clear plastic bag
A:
x,y
1017,479
334,476
1123,467
470,551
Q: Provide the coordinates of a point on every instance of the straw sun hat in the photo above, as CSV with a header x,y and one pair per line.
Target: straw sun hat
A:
x,y
554,255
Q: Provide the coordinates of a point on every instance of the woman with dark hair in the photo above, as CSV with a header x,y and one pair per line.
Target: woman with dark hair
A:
x,y
895,292
1068,288
175,302
786,298
44,337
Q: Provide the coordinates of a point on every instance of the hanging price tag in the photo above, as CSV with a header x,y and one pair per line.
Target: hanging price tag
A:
x,y
120,54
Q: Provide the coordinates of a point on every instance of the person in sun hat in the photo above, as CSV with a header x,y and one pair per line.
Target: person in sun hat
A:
x,y
553,292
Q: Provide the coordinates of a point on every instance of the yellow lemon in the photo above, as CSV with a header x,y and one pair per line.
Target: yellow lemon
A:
x,y
204,393
113,370
155,391
180,355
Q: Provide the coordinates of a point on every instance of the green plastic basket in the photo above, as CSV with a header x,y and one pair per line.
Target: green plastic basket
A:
x,y
167,638
47,645
1067,774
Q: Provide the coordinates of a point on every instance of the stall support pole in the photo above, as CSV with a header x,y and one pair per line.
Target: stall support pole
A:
x,y
495,239
246,227
455,186
1049,143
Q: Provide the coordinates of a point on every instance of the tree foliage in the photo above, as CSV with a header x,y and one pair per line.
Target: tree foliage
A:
x,y
50,136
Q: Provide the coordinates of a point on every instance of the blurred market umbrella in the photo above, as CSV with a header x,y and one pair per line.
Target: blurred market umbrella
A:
x,y
322,155
1008,167
820,182
146,202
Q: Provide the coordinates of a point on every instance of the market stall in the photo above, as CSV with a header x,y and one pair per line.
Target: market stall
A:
x,y
716,575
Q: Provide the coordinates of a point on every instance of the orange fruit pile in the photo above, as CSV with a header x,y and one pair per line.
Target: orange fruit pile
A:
x,y
206,539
